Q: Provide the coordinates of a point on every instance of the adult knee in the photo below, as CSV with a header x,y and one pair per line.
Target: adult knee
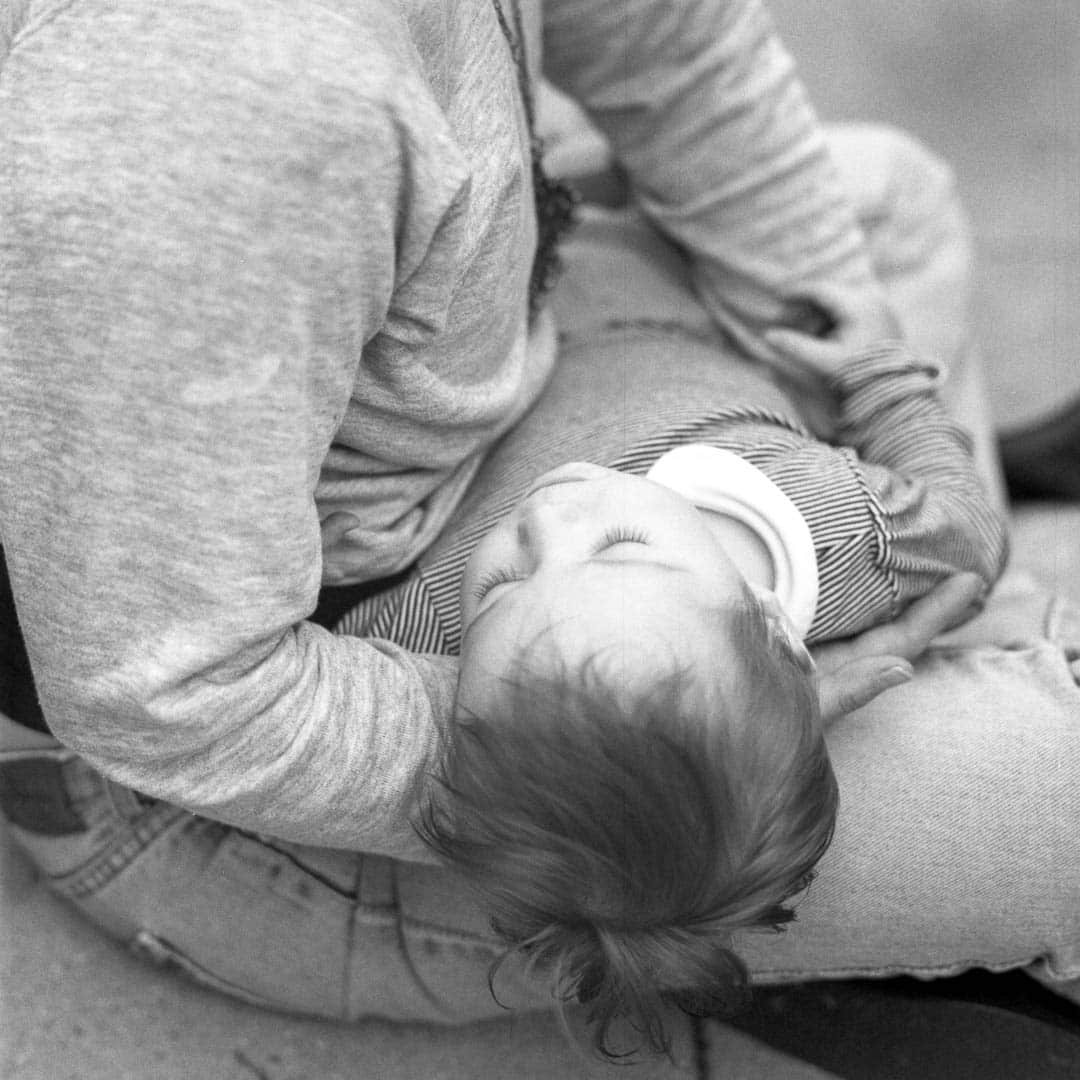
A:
x,y
905,194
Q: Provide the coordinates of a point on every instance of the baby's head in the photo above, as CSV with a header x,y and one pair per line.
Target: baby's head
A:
x,y
637,768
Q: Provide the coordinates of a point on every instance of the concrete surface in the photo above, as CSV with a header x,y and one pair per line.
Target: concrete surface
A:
x,y
992,84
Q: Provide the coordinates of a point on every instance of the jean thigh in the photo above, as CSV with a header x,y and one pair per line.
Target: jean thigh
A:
x,y
78,828
958,840
236,913
224,907
434,963
317,931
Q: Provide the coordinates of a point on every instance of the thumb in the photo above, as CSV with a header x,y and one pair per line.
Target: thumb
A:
x,y
833,297
815,356
857,683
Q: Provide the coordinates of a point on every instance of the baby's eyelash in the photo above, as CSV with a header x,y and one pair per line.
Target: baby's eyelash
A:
x,y
621,534
491,579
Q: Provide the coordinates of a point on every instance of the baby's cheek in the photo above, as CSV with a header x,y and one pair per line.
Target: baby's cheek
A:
x,y
478,678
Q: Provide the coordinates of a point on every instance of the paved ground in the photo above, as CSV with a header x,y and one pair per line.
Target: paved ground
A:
x,y
992,84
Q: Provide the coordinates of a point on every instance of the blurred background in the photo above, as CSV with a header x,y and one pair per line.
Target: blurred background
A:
x,y
994,87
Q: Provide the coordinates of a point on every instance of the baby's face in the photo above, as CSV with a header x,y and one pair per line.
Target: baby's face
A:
x,y
593,560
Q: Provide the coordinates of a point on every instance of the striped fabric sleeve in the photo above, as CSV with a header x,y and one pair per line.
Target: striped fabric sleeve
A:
x,y
897,507
918,467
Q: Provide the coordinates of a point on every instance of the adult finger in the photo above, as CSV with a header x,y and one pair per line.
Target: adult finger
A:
x,y
858,682
954,601
863,311
832,297
819,357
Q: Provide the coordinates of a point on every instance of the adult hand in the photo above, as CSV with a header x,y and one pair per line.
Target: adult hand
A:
x,y
853,672
828,325
845,323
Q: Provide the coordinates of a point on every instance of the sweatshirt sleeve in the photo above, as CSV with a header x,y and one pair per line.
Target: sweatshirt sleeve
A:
x,y
199,240
704,109
895,509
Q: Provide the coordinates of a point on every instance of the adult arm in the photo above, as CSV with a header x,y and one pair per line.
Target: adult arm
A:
x,y
703,107
202,231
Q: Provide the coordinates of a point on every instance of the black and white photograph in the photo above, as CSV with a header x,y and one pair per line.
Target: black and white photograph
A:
x,y
539,539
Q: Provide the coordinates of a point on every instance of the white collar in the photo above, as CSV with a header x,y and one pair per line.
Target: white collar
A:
x,y
719,480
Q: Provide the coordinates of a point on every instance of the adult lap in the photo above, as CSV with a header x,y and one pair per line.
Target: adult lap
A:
x,y
957,843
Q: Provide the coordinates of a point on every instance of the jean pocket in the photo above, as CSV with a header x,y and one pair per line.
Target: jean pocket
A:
x,y
35,797
167,957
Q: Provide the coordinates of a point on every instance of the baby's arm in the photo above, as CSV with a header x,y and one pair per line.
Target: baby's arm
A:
x,y
919,471
920,512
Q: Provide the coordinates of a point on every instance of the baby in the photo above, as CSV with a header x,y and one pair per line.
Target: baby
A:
x,y
637,770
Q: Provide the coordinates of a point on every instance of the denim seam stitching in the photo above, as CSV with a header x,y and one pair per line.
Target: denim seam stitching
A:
x,y
450,935
89,878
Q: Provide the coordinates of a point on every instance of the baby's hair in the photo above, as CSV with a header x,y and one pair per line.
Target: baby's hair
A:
x,y
619,837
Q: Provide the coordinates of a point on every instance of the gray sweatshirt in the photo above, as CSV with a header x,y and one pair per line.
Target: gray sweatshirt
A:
x,y
262,282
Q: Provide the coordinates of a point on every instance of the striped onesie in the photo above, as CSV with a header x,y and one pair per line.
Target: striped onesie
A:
x,y
891,512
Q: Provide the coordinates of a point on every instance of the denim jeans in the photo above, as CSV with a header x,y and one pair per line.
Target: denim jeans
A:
x,y
317,931
958,844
